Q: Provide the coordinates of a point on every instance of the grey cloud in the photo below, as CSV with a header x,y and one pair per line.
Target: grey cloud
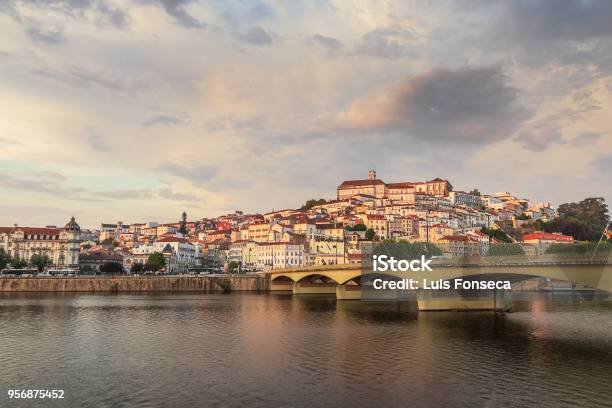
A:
x,y
113,16
229,122
165,120
540,136
124,194
471,105
387,43
332,45
176,9
45,36
196,173
603,164
167,193
552,20
99,10
83,78
585,139
255,36
53,175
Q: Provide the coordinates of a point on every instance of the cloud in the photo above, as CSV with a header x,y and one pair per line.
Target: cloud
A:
x,y
167,193
124,194
332,45
388,43
84,78
585,139
540,135
176,9
196,173
95,11
49,37
165,120
552,20
113,16
255,36
470,105
53,175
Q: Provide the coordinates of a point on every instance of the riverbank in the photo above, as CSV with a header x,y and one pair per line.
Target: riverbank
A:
x,y
210,284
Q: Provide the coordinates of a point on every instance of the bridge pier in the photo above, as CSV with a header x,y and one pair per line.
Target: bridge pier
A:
x,y
348,292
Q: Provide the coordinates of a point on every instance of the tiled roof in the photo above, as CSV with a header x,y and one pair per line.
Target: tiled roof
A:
x,y
359,183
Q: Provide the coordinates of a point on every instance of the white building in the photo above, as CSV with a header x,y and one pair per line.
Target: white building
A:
x,y
279,255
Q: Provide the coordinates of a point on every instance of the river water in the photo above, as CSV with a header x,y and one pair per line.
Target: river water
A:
x,y
241,350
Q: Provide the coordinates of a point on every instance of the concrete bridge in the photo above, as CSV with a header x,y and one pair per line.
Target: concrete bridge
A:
x,y
349,281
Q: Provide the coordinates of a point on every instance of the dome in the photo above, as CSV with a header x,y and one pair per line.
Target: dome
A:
x,y
72,225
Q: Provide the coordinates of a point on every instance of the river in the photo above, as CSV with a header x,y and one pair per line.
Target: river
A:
x,y
268,350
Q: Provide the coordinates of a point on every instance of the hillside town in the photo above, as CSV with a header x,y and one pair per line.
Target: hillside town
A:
x,y
321,232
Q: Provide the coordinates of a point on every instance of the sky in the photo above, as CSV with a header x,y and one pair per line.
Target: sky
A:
x,y
138,110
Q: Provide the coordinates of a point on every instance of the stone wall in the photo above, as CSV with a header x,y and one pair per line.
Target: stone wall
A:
x,y
136,284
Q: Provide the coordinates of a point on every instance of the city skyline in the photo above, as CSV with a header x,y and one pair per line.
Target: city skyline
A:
x,y
138,110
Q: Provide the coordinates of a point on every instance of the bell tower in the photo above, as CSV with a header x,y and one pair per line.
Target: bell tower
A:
x,y
372,175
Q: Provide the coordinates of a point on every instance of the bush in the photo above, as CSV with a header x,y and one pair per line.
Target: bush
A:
x,y
505,249
580,247
111,267
406,250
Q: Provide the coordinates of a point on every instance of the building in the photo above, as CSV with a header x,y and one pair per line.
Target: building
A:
x,y
61,245
463,199
371,186
184,253
436,187
547,238
94,260
280,255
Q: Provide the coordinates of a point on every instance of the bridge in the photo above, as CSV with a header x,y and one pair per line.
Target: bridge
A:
x,y
351,281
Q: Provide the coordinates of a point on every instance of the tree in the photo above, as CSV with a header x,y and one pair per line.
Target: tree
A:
x,y
137,268
498,234
108,241
311,203
40,261
370,234
475,192
585,220
18,263
183,224
4,259
523,217
155,262
111,267
406,250
232,267
505,249
357,227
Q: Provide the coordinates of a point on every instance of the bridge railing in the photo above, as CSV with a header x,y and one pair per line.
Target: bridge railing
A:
x,y
587,258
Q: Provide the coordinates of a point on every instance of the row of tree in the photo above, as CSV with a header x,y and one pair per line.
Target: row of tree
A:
x,y
37,261
585,220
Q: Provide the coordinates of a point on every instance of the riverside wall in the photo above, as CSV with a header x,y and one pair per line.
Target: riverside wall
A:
x,y
136,284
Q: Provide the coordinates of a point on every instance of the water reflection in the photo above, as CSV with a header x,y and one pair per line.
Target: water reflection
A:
x,y
275,350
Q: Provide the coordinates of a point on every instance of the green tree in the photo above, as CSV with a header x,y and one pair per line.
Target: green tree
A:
x,y
406,250
311,203
370,234
108,241
18,263
498,234
183,224
111,267
232,267
155,262
475,192
40,261
357,227
4,259
523,217
584,220
137,268
505,249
